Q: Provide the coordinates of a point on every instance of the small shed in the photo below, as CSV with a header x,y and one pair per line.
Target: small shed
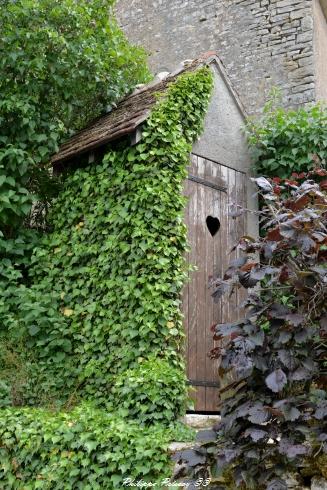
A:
x,y
217,177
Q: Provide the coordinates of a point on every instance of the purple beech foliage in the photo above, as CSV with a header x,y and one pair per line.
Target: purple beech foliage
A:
x,y
274,406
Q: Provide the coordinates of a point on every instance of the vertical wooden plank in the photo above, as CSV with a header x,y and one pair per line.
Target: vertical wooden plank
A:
x,y
185,294
225,241
219,251
216,251
208,306
202,238
193,304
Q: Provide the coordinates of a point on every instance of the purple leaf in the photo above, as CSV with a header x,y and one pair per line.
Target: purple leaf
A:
x,y
253,454
268,250
291,450
287,358
227,457
279,311
190,456
259,273
246,280
287,232
276,381
263,183
258,414
309,364
302,335
238,262
321,411
226,329
243,366
295,319
306,242
260,362
220,289
284,337
255,434
258,338
244,344
300,374
290,413
277,484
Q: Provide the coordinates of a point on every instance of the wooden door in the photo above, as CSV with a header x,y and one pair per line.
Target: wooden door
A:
x,y
210,188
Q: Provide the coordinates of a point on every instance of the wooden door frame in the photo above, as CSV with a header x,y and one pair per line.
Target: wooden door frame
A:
x,y
220,186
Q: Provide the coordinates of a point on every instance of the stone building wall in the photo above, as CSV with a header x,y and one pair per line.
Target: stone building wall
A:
x,y
262,43
320,48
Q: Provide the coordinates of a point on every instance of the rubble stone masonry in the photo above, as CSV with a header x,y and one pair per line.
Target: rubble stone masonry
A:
x,y
262,43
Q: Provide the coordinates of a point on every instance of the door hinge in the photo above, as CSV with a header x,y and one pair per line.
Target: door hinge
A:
x,y
207,384
198,180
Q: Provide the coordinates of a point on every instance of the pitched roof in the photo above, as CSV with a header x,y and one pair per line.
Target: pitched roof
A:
x,y
127,116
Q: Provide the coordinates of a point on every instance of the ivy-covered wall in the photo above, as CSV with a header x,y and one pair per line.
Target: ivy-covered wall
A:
x,y
99,329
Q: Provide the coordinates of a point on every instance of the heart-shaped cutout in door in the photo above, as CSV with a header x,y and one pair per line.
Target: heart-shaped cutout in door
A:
x,y
213,225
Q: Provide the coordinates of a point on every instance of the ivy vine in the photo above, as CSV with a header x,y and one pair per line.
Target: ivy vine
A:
x,y
99,322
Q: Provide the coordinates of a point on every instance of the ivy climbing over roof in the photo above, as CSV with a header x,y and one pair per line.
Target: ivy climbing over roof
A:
x,y
98,323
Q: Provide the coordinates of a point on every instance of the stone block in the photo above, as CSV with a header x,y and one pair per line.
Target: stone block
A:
x,y
201,421
298,14
301,98
276,29
287,3
290,64
305,60
175,447
294,24
307,23
305,37
279,18
302,88
302,72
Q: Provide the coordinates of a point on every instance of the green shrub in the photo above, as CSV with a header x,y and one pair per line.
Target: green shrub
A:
x,y
61,63
85,449
287,141
154,391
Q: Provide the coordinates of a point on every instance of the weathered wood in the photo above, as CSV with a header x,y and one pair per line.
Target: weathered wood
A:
x,y
130,112
191,327
210,254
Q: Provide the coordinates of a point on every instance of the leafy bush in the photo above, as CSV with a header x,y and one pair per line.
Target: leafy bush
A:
x,y
287,141
274,411
60,64
83,449
151,392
